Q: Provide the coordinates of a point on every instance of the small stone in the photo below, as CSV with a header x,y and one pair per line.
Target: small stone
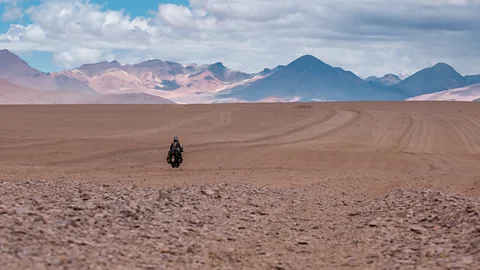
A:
x,y
467,259
167,251
373,223
39,219
20,210
417,229
3,209
162,195
429,253
208,192
85,196
470,208
351,214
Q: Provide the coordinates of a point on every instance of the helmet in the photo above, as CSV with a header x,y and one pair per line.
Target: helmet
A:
x,y
175,139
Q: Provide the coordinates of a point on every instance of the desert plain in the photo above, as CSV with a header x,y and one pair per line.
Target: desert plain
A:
x,y
333,185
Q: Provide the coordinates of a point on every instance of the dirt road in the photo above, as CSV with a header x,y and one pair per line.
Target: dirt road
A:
x,y
285,186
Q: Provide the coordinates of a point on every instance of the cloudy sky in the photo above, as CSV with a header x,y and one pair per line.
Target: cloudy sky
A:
x,y
369,37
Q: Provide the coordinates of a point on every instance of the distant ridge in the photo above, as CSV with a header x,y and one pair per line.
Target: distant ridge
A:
x,y
306,78
387,80
437,78
466,93
309,78
16,70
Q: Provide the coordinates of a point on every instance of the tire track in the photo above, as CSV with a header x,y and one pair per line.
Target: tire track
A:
x,y
225,119
404,137
159,129
389,128
414,134
97,157
340,120
353,136
415,143
416,137
428,131
402,132
104,155
257,145
419,160
331,124
474,120
434,151
107,137
463,132
439,161
331,114
472,129
422,143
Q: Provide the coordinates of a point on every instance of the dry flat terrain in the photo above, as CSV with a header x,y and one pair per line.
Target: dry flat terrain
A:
x,y
373,185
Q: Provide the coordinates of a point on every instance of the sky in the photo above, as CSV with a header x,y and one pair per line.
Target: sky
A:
x,y
368,37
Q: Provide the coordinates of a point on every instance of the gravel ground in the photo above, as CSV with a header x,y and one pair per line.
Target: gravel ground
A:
x,y
60,225
413,228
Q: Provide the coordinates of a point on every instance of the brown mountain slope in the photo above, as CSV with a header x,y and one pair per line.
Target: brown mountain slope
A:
x,y
126,98
156,75
16,70
11,93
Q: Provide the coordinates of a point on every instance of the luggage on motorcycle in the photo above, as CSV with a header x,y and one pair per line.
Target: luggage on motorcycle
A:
x,y
174,158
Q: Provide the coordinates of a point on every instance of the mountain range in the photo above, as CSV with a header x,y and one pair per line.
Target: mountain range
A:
x,y
387,80
467,93
155,81
309,79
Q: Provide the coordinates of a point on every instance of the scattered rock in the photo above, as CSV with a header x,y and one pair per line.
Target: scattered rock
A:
x,y
351,214
373,223
417,229
62,224
443,226
467,259
208,192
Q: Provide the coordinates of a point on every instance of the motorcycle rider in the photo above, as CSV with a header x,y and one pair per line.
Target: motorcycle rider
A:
x,y
175,145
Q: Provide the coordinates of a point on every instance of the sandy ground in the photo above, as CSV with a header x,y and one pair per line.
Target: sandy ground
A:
x,y
372,185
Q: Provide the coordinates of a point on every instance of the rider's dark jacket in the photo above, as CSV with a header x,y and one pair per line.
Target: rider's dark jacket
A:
x,y
175,145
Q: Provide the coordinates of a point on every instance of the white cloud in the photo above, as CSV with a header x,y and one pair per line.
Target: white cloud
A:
x,y
11,11
65,19
370,37
175,15
77,56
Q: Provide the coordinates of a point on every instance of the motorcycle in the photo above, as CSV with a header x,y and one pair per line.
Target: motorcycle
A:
x,y
174,158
